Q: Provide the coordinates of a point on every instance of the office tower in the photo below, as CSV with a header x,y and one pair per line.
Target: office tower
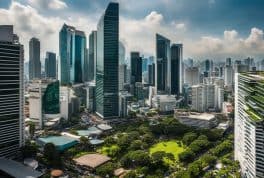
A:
x,y
136,67
66,44
92,55
162,64
176,69
192,76
34,59
151,74
107,63
151,60
207,65
90,96
249,129
124,99
229,75
11,93
189,62
228,62
122,66
50,65
72,53
122,76
86,66
80,48
44,100
241,68
144,65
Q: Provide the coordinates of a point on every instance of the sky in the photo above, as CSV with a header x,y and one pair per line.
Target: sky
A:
x,y
213,29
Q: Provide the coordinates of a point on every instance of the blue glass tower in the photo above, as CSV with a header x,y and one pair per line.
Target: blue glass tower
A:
x,y
107,63
72,54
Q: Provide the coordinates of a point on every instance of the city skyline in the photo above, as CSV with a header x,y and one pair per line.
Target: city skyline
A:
x,y
205,35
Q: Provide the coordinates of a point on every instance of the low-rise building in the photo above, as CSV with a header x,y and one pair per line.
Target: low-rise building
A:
x,y
164,103
199,120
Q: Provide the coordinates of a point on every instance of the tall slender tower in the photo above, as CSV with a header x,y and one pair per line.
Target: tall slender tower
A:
x,y
136,67
92,55
176,69
11,93
162,65
107,63
34,59
50,65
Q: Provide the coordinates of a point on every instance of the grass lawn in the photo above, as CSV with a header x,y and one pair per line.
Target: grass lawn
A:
x,y
168,147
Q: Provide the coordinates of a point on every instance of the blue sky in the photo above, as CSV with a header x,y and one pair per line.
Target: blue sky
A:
x,y
213,29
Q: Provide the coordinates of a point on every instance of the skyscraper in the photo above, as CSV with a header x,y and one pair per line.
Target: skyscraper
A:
x,y
11,93
86,66
162,64
151,74
50,65
249,128
122,66
107,63
136,67
92,55
72,55
66,42
80,48
192,76
176,69
34,59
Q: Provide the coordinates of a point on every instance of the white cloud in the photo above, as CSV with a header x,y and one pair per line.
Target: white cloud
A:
x,y
154,18
48,4
28,23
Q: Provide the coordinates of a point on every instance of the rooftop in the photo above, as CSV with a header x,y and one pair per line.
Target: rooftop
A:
x,y
92,160
202,116
89,131
17,169
104,127
61,142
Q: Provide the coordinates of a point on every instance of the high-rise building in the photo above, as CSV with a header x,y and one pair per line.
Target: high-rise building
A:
x,y
80,54
136,67
122,66
92,55
107,63
162,64
86,66
50,65
72,53
249,128
192,76
34,59
176,69
228,62
144,64
11,93
229,76
207,65
151,74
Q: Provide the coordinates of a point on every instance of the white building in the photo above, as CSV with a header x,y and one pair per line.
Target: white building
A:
x,y
199,120
69,103
229,76
165,103
207,97
124,99
192,76
249,127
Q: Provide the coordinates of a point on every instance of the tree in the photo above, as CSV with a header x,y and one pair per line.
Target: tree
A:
x,y
187,156
157,157
208,160
189,137
84,142
123,142
52,155
106,169
136,145
135,158
29,150
109,140
32,129
131,174
148,138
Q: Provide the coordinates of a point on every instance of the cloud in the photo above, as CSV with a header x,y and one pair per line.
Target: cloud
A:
x,y
230,45
48,4
154,18
28,23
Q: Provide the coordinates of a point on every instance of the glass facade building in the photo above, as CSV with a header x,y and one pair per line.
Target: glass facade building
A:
x,y
72,54
136,67
51,99
34,59
50,65
162,78
92,55
176,69
107,63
